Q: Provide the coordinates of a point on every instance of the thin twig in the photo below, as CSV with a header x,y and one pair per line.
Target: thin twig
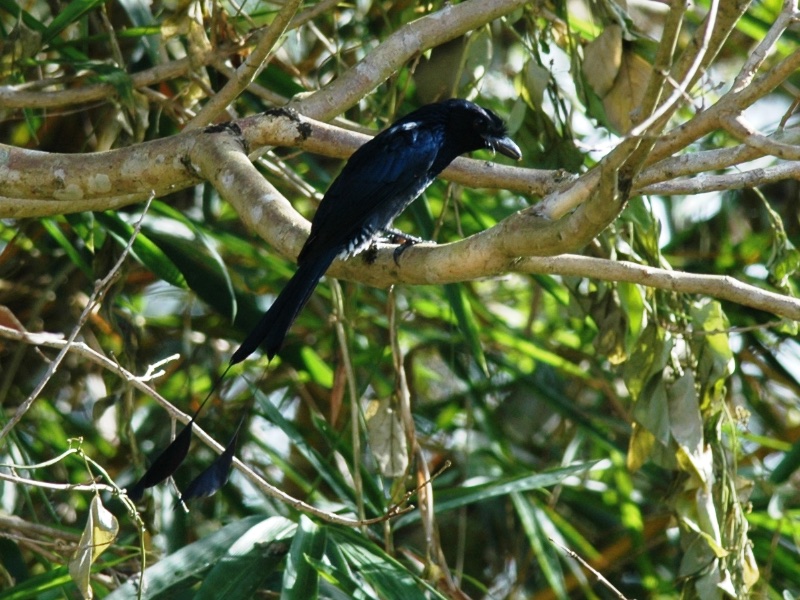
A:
x,y
757,57
355,415
589,568
250,69
681,90
55,341
100,288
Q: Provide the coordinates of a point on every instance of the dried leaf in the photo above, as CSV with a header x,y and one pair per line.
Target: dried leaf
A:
x,y
100,531
387,438
602,60
627,91
749,567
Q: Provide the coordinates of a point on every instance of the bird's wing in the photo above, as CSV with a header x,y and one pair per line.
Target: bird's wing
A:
x,y
379,180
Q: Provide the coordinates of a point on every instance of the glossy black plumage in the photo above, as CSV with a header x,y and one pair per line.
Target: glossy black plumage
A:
x,y
378,182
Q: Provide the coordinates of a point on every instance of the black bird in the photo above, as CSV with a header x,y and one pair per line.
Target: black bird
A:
x,y
378,182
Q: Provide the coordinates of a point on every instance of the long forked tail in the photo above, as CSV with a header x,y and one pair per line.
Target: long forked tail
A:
x,y
271,330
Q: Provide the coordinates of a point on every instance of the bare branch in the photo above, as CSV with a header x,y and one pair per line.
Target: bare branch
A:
x,y
591,569
743,131
733,102
32,95
407,42
756,58
699,57
663,60
717,286
250,69
720,183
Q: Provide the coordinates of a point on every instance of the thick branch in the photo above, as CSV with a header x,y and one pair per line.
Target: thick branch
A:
x,y
36,184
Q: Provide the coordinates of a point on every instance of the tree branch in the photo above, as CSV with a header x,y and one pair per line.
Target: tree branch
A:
x,y
249,69
411,40
36,184
33,95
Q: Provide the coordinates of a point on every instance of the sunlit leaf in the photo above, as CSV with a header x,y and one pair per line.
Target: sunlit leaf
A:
x,y
249,560
300,579
172,574
98,534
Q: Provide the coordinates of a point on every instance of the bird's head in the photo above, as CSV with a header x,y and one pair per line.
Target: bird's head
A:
x,y
477,127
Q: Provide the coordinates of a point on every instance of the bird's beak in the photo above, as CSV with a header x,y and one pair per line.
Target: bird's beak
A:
x,y
505,145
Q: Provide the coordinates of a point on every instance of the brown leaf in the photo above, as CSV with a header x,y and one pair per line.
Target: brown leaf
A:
x,y
602,60
100,531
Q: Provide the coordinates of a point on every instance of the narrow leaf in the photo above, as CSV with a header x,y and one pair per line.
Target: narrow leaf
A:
x,y
173,575
51,226
143,249
249,561
300,579
466,322
72,12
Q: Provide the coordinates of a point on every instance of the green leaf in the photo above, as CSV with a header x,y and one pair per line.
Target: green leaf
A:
x,y
631,298
715,357
532,517
321,373
72,11
300,579
466,322
187,566
51,226
788,465
455,498
211,284
384,573
212,263
331,476
249,561
143,249
648,358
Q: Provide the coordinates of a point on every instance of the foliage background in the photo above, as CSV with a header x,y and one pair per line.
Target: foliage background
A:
x,y
669,421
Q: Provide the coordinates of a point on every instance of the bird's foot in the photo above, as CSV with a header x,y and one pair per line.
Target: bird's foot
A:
x,y
402,248
404,240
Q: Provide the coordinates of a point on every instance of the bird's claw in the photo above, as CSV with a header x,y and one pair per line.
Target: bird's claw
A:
x,y
398,237
402,248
